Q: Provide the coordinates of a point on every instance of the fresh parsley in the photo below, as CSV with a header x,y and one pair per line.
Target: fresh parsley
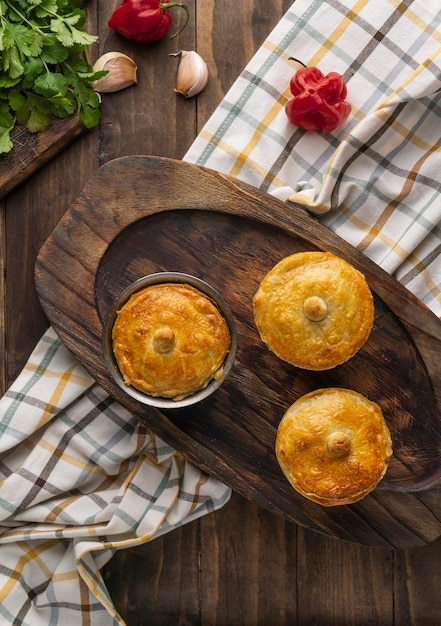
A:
x,y
44,66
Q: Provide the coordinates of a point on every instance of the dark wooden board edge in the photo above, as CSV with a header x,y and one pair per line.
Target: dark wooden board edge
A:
x,y
32,150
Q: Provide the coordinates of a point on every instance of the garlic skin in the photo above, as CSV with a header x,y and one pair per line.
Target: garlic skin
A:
x,y
121,72
192,75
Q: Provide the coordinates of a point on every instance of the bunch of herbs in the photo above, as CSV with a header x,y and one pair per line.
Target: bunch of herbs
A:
x,y
44,66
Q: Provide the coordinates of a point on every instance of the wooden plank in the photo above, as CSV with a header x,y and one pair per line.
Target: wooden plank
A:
x,y
248,567
339,583
158,582
31,211
148,118
32,150
417,584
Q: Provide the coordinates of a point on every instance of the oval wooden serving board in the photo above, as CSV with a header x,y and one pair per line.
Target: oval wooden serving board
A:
x,y
138,215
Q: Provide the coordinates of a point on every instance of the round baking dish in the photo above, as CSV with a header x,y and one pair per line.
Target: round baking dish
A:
x,y
162,278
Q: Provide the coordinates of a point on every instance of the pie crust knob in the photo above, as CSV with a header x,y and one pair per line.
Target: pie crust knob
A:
x,y
339,444
164,340
315,308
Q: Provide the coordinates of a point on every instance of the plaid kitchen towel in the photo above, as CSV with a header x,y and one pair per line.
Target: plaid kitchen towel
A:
x,y
375,180
81,477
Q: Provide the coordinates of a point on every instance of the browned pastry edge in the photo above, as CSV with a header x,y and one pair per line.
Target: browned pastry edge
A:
x,y
314,310
170,340
333,445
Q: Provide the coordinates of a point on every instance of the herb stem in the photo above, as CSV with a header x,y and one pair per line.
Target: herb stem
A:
x,y
22,17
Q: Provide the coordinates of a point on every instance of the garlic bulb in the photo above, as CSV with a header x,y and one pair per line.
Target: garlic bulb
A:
x,y
192,73
121,72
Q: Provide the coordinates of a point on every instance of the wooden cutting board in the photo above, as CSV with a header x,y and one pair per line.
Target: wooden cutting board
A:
x,y
32,150
138,215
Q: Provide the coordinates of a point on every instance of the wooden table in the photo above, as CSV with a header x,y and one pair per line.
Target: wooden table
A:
x,y
241,565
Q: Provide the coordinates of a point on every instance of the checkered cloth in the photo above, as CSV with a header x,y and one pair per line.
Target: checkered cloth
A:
x,y
375,180
82,478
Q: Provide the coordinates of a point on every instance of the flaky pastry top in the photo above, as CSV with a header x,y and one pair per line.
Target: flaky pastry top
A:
x,y
333,445
170,340
314,310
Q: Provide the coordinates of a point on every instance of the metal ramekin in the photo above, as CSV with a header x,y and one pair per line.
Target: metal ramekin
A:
x,y
161,278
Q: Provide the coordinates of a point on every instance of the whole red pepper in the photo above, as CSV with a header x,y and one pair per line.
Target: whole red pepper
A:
x,y
145,20
319,101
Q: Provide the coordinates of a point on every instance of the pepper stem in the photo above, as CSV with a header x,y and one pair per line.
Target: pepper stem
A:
x,y
168,5
296,60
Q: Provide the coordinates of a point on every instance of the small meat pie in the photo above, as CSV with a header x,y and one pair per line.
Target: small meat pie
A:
x,y
314,310
333,445
170,340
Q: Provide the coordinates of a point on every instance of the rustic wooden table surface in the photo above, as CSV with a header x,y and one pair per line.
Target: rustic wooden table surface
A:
x,y
241,565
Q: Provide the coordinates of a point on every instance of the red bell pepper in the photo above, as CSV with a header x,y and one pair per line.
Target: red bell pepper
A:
x,y
319,101
145,20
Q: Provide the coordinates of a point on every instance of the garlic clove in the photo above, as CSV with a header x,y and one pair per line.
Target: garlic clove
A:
x,y
121,72
192,75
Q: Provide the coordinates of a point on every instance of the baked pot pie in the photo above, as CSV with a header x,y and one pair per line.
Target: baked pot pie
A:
x,y
314,310
333,445
170,340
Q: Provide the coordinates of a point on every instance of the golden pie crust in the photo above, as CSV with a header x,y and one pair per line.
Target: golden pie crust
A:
x,y
170,340
314,310
333,445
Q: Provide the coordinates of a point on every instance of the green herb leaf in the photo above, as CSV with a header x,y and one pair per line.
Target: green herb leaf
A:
x,y
16,99
12,64
26,40
46,8
62,32
44,66
63,106
54,52
50,84
5,140
6,119
34,110
6,125
37,121
7,81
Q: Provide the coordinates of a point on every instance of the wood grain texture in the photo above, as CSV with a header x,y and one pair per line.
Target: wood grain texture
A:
x,y
373,606
282,573
32,150
140,215
31,211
